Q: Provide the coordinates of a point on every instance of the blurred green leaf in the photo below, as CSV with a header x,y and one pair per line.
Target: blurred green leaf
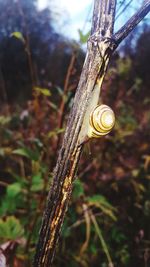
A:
x,y
43,91
37,183
8,206
146,100
59,90
26,152
18,35
53,106
99,201
13,199
147,208
2,152
117,235
10,229
124,66
13,189
124,255
55,132
101,238
78,189
66,232
93,248
83,37
37,142
96,200
4,120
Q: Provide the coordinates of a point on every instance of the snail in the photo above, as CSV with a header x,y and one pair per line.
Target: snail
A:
x,y
101,121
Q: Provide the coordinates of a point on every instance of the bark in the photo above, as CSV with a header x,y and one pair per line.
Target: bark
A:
x,y
101,45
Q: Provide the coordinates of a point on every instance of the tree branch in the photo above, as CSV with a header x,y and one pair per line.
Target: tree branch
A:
x,y
69,154
103,17
132,22
100,48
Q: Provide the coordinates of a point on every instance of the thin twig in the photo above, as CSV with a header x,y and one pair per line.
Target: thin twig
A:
x,y
132,22
125,7
27,44
3,87
88,228
120,6
80,221
85,170
103,243
4,184
66,86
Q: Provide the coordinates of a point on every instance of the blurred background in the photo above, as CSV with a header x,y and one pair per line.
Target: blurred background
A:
x,y
42,50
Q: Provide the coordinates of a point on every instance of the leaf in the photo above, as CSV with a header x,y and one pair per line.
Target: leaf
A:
x,y
18,35
4,120
135,172
8,205
53,106
93,248
55,132
101,202
146,100
101,238
117,235
10,228
108,212
78,190
60,91
138,83
14,197
43,91
13,189
96,200
37,142
124,67
26,152
124,255
2,153
83,37
147,208
66,232
37,183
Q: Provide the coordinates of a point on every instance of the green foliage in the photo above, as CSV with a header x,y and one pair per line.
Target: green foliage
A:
x,y
99,201
117,235
4,120
124,67
19,36
78,190
42,91
13,190
10,229
26,152
83,37
55,132
37,183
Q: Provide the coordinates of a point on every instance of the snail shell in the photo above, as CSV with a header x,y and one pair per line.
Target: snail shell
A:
x,y
102,120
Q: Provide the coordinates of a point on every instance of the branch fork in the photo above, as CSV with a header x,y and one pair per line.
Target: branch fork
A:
x,y
101,45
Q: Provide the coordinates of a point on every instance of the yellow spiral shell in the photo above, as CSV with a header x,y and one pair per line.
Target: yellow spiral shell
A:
x,y
102,120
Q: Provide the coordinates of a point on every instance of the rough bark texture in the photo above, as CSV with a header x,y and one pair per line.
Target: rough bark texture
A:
x,y
100,48
61,188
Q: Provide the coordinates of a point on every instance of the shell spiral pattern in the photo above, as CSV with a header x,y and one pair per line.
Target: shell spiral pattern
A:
x,y
102,120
